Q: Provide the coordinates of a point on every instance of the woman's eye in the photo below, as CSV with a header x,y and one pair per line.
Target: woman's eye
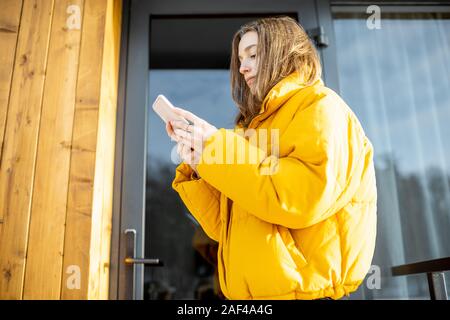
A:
x,y
253,56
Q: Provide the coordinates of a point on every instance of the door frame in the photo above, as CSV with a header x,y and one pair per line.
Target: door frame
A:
x,y
133,104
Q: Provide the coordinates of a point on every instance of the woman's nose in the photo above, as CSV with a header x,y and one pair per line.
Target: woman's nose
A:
x,y
244,68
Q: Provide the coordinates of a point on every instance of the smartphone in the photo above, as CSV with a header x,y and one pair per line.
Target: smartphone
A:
x,y
164,108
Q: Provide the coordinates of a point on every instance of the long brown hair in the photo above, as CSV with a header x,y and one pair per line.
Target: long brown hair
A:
x,y
283,47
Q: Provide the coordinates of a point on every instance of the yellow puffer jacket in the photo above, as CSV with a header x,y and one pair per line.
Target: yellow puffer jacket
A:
x,y
307,230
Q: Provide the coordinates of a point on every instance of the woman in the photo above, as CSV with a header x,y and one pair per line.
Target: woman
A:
x,y
306,229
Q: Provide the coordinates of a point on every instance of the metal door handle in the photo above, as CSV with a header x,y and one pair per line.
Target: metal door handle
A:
x,y
133,260
151,262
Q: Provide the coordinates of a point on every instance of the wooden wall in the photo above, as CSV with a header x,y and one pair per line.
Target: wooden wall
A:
x,y
58,93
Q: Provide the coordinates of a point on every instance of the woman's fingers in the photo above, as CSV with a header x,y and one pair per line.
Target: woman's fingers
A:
x,y
170,131
197,145
189,116
180,151
180,125
186,142
182,133
194,137
187,154
191,130
179,145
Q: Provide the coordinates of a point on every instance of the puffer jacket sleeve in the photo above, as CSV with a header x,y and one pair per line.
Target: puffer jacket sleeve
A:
x,y
201,199
304,186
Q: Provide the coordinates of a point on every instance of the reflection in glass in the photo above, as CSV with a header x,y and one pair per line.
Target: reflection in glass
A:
x,y
171,232
397,80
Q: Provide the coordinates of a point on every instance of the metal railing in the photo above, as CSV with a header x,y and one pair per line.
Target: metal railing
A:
x,y
435,274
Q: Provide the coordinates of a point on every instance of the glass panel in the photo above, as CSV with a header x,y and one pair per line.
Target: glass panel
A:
x,y
397,80
172,234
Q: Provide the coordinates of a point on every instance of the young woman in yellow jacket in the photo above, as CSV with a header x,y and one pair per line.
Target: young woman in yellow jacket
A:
x,y
293,211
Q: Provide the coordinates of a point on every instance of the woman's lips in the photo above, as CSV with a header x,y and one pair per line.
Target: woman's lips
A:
x,y
250,80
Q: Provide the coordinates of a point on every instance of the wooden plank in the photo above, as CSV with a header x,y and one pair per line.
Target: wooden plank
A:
x,y
48,212
81,180
20,143
104,165
109,103
10,11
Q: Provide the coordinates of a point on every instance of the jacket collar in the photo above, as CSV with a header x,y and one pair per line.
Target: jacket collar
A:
x,y
282,92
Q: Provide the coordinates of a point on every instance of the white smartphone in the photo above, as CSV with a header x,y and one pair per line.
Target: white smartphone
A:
x,y
164,108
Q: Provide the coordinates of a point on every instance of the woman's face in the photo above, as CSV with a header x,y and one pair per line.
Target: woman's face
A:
x,y
247,57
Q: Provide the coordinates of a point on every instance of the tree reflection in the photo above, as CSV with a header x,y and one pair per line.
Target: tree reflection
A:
x,y
413,220
172,234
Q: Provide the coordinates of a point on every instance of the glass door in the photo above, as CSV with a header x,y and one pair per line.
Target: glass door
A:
x,y
182,50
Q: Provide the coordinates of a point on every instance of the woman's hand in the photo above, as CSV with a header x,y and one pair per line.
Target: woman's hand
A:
x,y
186,153
189,156
192,135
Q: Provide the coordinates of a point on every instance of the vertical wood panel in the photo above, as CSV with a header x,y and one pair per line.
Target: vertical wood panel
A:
x,y
10,11
20,143
81,181
48,213
111,77
104,165
56,161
